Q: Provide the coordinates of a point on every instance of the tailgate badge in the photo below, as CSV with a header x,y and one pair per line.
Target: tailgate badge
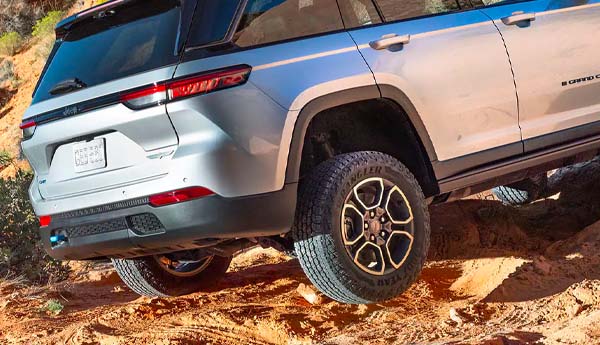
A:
x,y
71,110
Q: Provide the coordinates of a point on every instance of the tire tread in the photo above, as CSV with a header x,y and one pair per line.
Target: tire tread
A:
x,y
316,250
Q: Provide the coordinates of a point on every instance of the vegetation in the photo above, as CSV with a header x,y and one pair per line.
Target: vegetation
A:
x,y
19,16
21,252
8,81
7,73
45,26
53,307
10,42
22,256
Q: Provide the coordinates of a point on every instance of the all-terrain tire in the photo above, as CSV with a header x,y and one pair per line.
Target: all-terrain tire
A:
x,y
512,196
522,192
318,240
146,277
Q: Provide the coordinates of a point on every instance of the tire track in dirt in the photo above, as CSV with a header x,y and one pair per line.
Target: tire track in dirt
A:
x,y
508,279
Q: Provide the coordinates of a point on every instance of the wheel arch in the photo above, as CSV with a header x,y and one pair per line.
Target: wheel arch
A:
x,y
385,93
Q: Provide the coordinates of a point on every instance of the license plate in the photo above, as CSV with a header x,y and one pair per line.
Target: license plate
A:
x,y
89,155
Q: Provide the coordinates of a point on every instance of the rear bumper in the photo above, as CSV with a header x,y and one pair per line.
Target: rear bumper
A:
x,y
134,228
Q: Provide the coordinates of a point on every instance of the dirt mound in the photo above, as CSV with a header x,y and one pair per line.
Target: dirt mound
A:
x,y
494,277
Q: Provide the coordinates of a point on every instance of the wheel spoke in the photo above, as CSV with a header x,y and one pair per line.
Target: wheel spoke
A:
x,y
183,268
398,246
369,257
394,203
365,188
376,226
352,224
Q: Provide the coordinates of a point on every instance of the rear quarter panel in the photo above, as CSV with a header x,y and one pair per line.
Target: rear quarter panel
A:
x,y
259,117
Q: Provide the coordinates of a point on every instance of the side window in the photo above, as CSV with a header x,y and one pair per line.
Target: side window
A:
x,y
480,3
358,13
267,21
393,10
211,22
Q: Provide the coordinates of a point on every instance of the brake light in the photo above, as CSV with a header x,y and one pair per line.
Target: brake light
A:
x,y
45,221
208,82
28,128
27,124
178,196
146,97
193,86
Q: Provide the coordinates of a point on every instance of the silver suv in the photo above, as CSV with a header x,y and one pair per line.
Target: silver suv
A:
x,y
167,135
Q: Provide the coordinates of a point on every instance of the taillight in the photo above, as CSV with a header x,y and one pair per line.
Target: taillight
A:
x,y
27,124
178,196
146,97
28,128
208,82
192,86
45,221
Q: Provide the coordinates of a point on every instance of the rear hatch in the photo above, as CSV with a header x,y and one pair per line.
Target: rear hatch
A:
x,y
81,136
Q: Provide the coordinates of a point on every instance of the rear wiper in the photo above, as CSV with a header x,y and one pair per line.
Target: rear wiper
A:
x,y
67,86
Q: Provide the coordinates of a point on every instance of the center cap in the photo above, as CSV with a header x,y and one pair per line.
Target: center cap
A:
x,y
374,227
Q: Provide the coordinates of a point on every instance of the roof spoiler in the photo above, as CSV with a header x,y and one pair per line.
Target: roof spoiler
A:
x,y
66,24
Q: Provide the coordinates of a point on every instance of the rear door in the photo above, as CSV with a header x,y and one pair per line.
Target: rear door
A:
x,y
450,61
554,49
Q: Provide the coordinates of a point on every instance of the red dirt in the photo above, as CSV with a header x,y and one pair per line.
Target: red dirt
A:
x,y
508,283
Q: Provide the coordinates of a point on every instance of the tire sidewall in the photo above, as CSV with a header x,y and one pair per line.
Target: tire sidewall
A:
x,y
165,284
388,285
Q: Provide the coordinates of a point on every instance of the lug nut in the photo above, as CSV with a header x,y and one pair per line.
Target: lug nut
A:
x,y
372,214
382,219
366,225
372,238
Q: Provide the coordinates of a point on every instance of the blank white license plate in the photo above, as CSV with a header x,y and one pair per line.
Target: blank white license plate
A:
x,y
89,155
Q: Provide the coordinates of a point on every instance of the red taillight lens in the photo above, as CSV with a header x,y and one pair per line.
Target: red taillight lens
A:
x,y
147,97
27,124
208,82
198,85
45,221
28,128
178,196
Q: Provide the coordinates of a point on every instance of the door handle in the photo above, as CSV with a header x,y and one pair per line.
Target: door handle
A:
x,y
387,41
518,17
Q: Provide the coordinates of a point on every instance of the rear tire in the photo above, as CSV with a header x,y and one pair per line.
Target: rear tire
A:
x,y
341,259
149,276
523,192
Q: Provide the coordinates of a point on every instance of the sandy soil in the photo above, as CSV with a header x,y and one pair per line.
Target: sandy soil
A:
x,y
496,275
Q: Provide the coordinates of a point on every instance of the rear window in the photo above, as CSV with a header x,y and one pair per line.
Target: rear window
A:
x,y
136,37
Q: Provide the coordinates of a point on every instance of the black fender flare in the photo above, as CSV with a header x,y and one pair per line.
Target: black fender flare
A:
x,y
363,93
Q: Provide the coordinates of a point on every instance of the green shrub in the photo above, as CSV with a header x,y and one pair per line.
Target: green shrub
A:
x,y
10,42
45,26
53,307
7,73
21,252
5,159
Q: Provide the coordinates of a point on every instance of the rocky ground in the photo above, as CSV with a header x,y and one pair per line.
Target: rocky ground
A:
x,y
496,275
